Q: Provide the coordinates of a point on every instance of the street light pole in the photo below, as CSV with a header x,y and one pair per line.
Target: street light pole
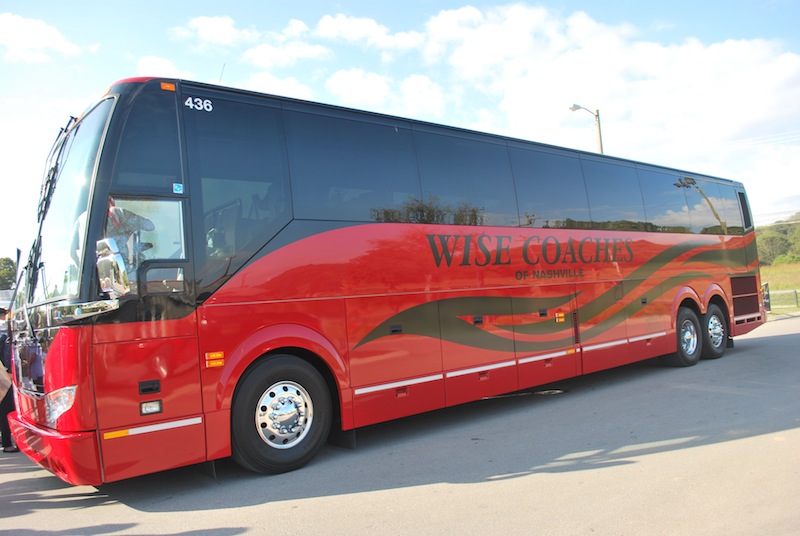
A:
x,y
596,115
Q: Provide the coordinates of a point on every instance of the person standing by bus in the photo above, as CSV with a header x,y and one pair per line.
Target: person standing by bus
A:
x,y
7,404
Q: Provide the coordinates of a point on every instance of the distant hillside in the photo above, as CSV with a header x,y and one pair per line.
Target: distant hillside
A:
x,y
779,243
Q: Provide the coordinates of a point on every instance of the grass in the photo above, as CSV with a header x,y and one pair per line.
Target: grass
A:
x,y
782,277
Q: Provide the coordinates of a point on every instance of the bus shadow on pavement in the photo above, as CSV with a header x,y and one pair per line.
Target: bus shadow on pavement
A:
x,y
597,421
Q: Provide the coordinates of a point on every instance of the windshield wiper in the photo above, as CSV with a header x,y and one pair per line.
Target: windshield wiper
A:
x,y
32,267
49,182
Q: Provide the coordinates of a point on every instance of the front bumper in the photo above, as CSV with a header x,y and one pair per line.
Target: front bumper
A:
x,y
72,456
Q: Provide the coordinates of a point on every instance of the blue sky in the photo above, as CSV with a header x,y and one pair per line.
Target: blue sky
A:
x,y
711,87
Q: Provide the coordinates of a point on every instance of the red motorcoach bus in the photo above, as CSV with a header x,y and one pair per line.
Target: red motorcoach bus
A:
x,y
224,273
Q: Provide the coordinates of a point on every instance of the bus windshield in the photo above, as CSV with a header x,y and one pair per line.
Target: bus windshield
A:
x,y
58,251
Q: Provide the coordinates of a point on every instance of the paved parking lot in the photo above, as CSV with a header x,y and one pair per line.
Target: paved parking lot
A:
x,y
712,449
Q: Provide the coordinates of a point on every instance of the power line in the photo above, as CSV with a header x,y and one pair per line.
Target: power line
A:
x,y
776,218
788,137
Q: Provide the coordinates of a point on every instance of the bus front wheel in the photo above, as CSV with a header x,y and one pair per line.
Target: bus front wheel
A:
x,y
690,340
281,415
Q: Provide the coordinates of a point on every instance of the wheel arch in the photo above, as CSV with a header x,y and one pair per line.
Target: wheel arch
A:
x,y
292,339
715,295
685,297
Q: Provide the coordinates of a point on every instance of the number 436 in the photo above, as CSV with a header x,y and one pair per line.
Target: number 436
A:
x,y
196,103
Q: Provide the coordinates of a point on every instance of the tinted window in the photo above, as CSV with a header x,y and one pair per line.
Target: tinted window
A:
x,y
664,202
466,181
149,154
745,208
729,201
615,199
63,232
550,189
349,170
705,207
236,161
145,229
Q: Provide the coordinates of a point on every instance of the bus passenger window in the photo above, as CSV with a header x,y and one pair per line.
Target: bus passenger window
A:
x,y
615,197
705,206
729,202
467,180
664,202
550,189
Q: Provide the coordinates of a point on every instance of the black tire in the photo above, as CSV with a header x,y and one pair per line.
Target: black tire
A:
x,y
715,333
690,340
281,415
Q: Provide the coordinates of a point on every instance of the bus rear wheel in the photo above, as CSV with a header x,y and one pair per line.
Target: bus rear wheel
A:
x,y
690,340
715,333
281,415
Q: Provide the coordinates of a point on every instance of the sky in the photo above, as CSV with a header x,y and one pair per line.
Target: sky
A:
x,y
711,87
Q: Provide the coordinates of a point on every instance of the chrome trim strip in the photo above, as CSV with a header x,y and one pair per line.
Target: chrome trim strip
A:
x,y
393,385
542,357
78,311
746,317
645,337
605,345
153,428
493,366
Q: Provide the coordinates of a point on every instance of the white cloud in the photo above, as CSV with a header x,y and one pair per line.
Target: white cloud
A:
x,y
356,87
684,104
32,40
155,66
287,87
266,55
355,29
449,26
213,32
728,108
421,97
295,29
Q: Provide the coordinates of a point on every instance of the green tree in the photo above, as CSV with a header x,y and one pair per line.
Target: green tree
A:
x,y
771,245
779,243
8,273
786,258
794,237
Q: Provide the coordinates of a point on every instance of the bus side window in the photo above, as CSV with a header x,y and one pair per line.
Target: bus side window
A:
x,y
664,202
360,171
729,201
550,189
239,181
615,197
221,224
467,179
145,229
149,154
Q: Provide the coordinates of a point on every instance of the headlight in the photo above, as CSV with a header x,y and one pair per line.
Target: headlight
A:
x,y
57,402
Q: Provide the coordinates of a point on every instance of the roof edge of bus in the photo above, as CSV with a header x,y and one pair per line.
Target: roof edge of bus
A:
x,y
577,152
136,80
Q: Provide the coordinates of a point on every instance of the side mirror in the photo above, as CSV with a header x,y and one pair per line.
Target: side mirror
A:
x,y
111,269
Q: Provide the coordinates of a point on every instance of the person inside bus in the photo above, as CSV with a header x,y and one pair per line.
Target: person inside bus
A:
x,y
7,404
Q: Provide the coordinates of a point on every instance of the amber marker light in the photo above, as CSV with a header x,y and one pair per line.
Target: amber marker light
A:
x,y
215,359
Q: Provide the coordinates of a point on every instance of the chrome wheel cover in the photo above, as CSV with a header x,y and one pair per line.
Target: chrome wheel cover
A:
x,y
688,338
716,332
284,415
